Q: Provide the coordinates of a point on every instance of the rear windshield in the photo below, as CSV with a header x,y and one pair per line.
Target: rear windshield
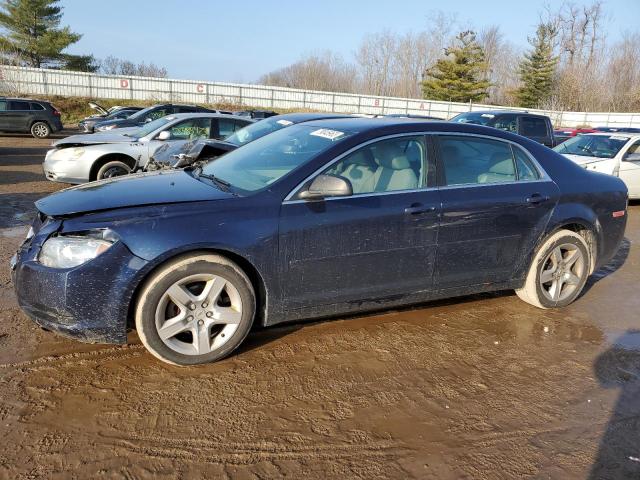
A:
x,y
476,118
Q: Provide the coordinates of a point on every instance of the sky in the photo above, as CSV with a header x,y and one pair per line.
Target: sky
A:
x,y
238,41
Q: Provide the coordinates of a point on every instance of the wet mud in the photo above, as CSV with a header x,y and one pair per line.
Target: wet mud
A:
x,y
477,387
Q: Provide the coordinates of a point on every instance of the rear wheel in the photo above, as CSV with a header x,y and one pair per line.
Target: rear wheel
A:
x,y
40,130
195,310
114,168
558,272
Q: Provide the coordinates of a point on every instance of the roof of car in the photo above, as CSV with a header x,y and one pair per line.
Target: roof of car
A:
x,y
504,112
612,134
178,116
308,116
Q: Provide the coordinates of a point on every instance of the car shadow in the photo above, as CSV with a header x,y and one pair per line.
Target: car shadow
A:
x,y
10,156
17,209
11,177
618,455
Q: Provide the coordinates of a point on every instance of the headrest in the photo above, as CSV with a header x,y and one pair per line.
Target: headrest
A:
x,y
501,165
389,155
359,158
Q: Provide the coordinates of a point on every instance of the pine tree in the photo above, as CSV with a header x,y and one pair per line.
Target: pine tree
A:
x,y
32,36
461,76
537,69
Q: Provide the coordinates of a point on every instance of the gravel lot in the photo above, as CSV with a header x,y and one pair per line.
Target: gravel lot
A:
x,y
477,387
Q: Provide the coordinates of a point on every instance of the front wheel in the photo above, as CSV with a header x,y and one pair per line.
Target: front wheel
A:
x,y
558,271
114,168
196,309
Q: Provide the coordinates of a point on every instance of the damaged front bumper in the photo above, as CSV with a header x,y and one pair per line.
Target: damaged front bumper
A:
x,y
89,302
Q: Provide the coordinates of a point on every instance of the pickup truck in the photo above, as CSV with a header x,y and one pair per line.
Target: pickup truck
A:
x,y
530,125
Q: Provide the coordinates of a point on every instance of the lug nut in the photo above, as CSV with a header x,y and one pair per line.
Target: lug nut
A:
x,y
189,318
192,306
204,305
200,322
209,314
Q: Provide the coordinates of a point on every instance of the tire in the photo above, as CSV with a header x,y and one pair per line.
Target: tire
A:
x,y
182,309
114,168
40,130
556,277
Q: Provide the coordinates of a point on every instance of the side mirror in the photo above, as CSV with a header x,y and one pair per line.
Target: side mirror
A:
x,y
164,135
148,119
631,157
327,186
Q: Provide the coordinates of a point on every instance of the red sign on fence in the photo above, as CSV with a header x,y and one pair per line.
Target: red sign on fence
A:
x,y
200,88
124,83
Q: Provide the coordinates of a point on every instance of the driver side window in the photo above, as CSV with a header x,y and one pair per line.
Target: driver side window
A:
x,y
385,166
191,129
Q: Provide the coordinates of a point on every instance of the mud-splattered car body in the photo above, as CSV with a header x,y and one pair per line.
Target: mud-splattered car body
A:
x,y
310,259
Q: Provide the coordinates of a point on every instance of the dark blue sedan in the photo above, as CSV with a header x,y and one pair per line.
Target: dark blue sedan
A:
x,y
315,220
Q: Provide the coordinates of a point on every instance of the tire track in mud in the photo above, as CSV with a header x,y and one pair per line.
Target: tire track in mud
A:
x,y
252,452
48,361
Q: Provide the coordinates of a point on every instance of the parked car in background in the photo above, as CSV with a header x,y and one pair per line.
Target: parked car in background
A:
x,y
24,115
535,127
618,129
83,158
87,125
256,114
182,154
563,134
410,115
616,154
319,219
149,114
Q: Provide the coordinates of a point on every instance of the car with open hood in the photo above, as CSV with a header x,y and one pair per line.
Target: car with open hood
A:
x,y
84,158
319,219
616,153
103,114
194,152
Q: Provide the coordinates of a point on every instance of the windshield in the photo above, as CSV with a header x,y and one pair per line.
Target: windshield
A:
x,y
261,163
600,146
475,118
151,126
256,130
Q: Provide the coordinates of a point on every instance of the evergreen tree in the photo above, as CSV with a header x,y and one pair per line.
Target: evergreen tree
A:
x,y
461,75
537,69
32,36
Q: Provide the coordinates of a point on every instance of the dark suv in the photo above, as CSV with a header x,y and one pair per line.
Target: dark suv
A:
x,y
149,114
23,115
530,125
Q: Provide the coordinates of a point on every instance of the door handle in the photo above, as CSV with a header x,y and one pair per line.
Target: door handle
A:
x,y
418,208
536,198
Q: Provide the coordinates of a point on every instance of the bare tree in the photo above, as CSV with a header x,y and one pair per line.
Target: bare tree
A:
x,y
117,66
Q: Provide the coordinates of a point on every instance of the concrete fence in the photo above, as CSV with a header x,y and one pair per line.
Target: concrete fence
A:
x,y
37,81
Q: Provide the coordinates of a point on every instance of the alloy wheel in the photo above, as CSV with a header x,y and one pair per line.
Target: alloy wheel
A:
x,y
562,272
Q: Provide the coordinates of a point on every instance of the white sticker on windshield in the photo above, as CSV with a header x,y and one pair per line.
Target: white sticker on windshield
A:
x,y
618,137
284,123
487,115
327,133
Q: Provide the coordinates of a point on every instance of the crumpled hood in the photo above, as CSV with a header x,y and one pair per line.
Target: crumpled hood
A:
x,y
130,191
96,139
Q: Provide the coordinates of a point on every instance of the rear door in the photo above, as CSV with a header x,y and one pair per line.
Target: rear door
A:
x,y
19,116
535,128
630,169
378,243
495,203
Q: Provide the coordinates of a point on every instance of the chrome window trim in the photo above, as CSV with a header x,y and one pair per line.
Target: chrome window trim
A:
x,y
544,176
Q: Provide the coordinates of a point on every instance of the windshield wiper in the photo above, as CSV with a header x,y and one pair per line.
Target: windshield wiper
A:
x,y
222,184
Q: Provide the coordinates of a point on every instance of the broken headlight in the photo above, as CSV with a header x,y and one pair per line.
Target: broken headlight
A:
x,y
71,251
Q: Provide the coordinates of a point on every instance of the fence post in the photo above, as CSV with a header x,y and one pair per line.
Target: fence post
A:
x,y
170,91
272,94
240,96
89,77
45,84
208,97
304,99
359,103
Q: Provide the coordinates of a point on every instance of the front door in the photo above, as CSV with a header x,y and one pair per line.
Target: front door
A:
x,y
376,244
630,169
495,205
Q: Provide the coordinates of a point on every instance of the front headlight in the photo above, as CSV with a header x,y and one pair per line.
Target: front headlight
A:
x,y
69,153
106,127
68,252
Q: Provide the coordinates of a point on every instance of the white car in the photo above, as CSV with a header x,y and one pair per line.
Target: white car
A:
x,y
84,158
615,154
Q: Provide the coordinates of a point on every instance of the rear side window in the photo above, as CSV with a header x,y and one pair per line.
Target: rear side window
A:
x,y
225,127
526,170
16,105
474,160
3,105
533,127
36,106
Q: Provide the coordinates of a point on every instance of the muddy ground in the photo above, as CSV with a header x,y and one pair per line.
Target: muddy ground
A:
x,y
478,387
